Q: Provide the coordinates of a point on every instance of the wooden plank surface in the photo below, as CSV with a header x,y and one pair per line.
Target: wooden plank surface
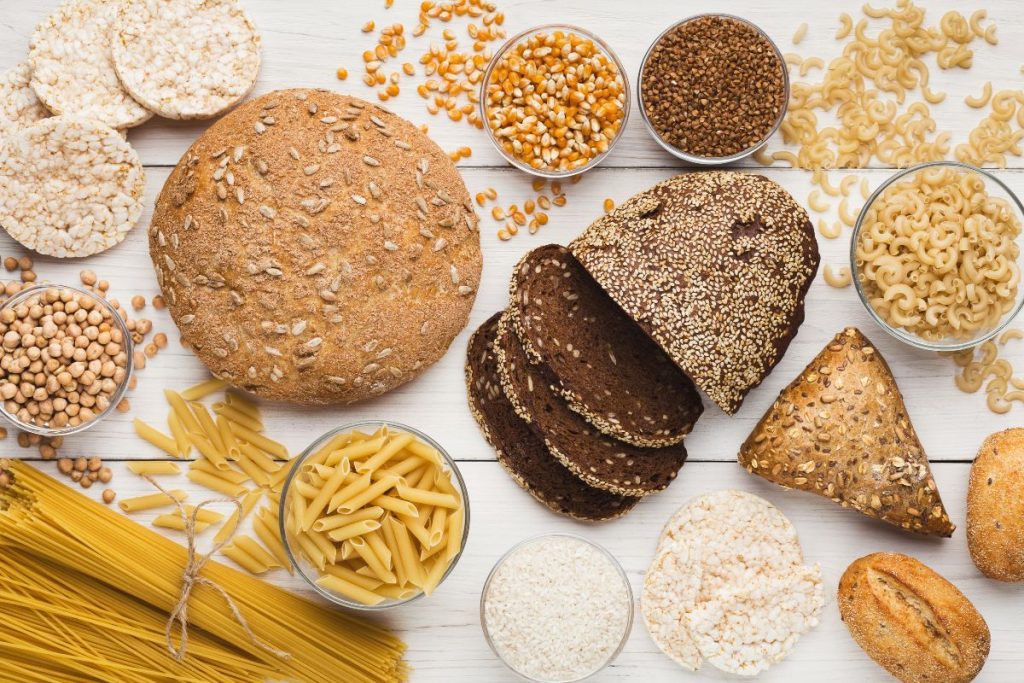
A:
x,y
304,42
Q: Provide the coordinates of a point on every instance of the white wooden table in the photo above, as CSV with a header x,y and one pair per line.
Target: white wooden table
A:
x,y
305,41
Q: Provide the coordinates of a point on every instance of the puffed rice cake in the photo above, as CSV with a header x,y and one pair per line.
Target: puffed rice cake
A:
x,y
72,67
69,187
186,59
19,105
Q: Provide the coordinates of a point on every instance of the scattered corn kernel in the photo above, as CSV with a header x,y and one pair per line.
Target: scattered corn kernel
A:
x,y
368,26
342,74
609,204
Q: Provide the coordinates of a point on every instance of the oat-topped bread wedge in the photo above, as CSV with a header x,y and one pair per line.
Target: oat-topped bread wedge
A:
x,y
715,267
840,430
606,368
597,459
520,450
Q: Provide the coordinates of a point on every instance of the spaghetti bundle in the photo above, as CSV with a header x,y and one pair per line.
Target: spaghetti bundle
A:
x,y
81,575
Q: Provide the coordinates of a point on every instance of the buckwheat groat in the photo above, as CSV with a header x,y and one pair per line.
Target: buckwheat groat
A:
x,y
69,187
315,248
186,59
72,68
19,106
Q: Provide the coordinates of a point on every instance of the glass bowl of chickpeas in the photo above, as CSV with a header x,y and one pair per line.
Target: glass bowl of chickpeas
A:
x,y
554,100
65,359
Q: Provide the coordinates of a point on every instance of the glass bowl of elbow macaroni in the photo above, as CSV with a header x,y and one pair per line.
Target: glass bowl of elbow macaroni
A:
x,y
374,515
936,256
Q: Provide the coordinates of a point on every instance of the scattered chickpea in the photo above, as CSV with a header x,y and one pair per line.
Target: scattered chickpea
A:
x,y
103,285
109,496
95,464
12,288
11,263
47,452
133,382
23,439
81,464
160,339
159,303
88,278
3,432
105,474
123,406
25,263
56,441
138,302
28,276
150,350
65,465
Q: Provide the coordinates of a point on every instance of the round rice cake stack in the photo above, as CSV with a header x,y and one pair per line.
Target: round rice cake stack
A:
x,y
73,69
605,366
69,187
728,585
521,451
315,248
19,106
597,459
186,59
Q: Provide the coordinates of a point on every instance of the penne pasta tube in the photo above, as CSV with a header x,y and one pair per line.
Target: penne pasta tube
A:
x,y
416,528
204,515
343,572
208,425
347,552
275,498
150,467
242,404
349,590
179,434
230,475
338,521
384,454
388,532
316,481
357,485
399,469
277,478
270,446
407,555
230,526
323,471
238,417
329,550
298,505
336,442
379,547
258,457
272,540
203,389
260,477
455,531
435,573
158,439
396,592
359,500
352,530
427,553
174,521
216,484
437,527
324,495
396,505
151,501
184,414
250,546
443,483
227,437
209,451
425,452
244,560
375,564
424,497
356,451
419,476
311,551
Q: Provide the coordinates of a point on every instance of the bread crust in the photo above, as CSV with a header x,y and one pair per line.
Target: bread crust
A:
x,y
315,248
995,507
912,621
841,430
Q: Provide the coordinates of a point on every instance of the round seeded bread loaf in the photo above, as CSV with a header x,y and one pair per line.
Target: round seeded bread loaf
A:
x,y
315,248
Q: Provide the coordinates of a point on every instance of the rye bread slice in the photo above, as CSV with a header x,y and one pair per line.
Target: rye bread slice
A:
x,y
597,459
606,367
715,267
520,450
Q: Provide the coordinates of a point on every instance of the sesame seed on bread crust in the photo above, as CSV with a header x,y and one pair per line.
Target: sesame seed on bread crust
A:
x,y
605,366
520,451
840,430
315,248
714,266
597,459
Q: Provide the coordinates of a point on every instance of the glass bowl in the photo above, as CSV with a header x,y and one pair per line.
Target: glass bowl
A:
x,y
307,570
702,160
995,188
628,595
119,393
515,40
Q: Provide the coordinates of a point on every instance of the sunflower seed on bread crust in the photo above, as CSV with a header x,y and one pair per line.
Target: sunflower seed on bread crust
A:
x,y
841,430
19,106
186,59
520,451
72,67
69,187
728,584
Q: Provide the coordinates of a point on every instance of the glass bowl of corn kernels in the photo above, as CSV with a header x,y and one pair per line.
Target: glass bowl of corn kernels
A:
x,y
554,100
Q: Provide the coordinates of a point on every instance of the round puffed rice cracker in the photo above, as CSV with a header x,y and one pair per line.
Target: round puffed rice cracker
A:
x,y
19,105
728,585
69,187
72,68
186,59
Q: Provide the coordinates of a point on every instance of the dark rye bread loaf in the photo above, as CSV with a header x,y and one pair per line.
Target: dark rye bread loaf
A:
x,y
597,459
519,449
715,267
605,367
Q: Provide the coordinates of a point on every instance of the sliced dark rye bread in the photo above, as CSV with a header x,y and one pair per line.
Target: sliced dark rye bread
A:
x,y
520,450
715,267
606,367
596,458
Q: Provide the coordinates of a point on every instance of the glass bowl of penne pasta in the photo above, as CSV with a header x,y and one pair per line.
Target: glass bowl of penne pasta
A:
x,y
374,515
935,256
66,359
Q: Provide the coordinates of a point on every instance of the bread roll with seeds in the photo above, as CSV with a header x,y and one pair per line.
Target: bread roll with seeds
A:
x,y
995,507
315,248
710,255
841,430
911,621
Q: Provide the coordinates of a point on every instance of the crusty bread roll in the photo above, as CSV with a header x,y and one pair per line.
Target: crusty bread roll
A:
x,y
995,507
913,622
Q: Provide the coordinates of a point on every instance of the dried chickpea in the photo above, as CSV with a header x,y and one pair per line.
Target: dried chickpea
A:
x,y
109,496
159,303
160,339
65,465
138,302
25,263
28,276
150,350
105,474
88,278
81,464
123,406
11,263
